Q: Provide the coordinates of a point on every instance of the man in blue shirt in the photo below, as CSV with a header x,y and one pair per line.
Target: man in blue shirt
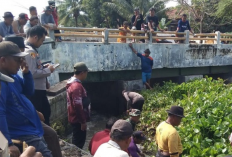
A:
x,y
46,19
146,65
183,25
6,26
18,117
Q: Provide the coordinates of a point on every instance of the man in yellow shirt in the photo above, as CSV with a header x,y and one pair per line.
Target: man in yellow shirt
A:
x,y
123,31
167,138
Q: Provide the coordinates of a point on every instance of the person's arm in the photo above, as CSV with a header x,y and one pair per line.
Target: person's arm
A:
x,y
42,21
15,27
123,29
35,71
26,28
0,38
173,145
125,94
190,28
133,50
178,27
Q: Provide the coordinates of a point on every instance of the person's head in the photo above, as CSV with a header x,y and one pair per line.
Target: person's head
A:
x,y
48,10
10,57
125,24
33,11
52,4
36,35
34,20
23,19
8,18
81,71
121,133
19,41
111,122
184,17
175,114
147,53
138,137
136,11
152,11
135,115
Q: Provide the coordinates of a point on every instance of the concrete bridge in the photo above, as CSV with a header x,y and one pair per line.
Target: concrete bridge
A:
x,y
115,61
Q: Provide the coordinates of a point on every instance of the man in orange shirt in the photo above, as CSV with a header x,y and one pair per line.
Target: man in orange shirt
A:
x,y
102,136
123,31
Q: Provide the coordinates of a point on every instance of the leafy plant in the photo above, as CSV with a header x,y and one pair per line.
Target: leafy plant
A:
x,y
207,105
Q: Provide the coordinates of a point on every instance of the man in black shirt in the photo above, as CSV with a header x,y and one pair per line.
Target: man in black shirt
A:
x,y
153,22
137,19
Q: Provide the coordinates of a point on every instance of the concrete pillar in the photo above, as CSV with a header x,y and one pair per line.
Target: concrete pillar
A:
x,y
105,39
218,38
150,37
51,34
186,37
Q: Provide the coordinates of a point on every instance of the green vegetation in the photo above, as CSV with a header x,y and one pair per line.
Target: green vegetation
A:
x,y
208,110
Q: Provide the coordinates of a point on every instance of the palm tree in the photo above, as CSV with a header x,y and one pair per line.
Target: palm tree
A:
x,y
125,8
69,9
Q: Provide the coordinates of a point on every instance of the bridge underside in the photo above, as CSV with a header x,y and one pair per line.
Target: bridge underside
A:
x,y
103,76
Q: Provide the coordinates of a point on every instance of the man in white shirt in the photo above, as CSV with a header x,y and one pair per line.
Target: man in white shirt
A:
x,y
120,138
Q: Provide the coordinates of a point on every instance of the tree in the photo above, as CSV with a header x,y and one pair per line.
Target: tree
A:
x,y
125,8
69,9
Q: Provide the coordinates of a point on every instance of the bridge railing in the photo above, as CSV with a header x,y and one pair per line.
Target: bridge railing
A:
x,y
106,34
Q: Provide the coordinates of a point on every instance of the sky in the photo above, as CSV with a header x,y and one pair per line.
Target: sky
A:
x,y
22,6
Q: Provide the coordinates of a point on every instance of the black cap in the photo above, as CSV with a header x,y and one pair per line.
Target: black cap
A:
x,y
51,2
17,40
177,111
8,14
23,16
48,8
81,66
139,135
8,48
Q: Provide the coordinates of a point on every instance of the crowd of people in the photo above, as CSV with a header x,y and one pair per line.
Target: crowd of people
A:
x,y
19,26
152,24
25,110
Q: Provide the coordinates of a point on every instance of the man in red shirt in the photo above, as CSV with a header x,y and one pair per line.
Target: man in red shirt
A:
x,y
102,136
78,105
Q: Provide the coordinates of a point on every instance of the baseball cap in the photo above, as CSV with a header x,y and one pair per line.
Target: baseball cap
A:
x,y
5,78
48,8
123,127
135,112
17,40
23,16
81,66
139,135
8,14
8,48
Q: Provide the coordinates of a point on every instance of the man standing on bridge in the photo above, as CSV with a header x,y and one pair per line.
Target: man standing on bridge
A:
x,y
146,64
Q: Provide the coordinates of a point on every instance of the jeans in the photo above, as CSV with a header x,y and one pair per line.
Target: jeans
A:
x,y
79,136
145,77
37,142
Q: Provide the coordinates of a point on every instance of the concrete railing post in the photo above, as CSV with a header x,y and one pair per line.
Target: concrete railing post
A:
x,y
218,38
51,34
186,37
150,38
105,38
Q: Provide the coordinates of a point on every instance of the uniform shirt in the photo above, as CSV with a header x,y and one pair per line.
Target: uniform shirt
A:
x,y
153,21
5,30
98,139
122,40
133,149
183,26
46,18
39,73
168,139
18,116
110,149
75,93
146,63
139,21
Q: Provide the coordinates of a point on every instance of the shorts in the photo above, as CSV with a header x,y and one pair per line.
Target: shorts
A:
x,y
146,76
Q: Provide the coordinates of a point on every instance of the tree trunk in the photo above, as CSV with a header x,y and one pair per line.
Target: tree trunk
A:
x,y
201,26
76,20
